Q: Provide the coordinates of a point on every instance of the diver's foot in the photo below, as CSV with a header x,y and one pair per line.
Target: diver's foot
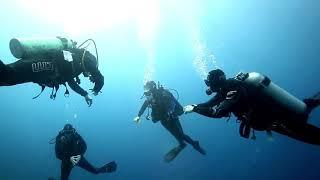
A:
x,y
109,168
173,153
197,147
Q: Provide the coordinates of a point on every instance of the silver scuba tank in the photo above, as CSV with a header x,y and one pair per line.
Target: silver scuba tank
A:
x,y
39,47
276,94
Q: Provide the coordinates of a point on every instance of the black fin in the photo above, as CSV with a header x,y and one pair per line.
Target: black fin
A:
x,y
42,89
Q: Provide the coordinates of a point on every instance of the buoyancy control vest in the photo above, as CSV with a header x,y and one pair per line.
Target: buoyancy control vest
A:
x,y
165,105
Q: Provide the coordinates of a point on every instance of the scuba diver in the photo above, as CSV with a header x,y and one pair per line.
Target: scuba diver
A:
x,y
70,148
258,104
52,62
166,109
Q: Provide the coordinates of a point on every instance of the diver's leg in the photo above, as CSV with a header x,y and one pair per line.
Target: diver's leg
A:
x,y
84,164
66,168
174,129
14,73
304,132
189,140
186,138
23,71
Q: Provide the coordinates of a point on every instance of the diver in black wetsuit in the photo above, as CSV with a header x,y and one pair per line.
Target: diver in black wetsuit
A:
x,y
166,109
70,148
259,105
54,70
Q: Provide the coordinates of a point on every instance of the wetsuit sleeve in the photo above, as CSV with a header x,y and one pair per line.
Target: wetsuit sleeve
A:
x,y
206,109
213,101
76,88
98,80
225,107
143,108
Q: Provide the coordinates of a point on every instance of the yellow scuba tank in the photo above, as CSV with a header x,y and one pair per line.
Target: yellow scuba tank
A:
x,y
276,94
39,47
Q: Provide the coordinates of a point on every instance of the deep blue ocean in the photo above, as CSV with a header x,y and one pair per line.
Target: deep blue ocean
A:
x,y
176,43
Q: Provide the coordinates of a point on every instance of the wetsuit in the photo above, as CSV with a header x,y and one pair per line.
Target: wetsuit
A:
x,y
166,109
52,71
259,113
70,143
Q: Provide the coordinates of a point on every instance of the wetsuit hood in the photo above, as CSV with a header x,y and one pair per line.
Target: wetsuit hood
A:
x,y
149,88
215,80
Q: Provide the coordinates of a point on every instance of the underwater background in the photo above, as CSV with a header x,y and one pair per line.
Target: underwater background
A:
x,y
176,43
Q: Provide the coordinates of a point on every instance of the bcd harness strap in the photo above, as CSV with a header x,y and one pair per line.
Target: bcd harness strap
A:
x,y
54,91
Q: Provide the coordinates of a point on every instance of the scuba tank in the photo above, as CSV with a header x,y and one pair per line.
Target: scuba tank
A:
x,y
39,47
273,92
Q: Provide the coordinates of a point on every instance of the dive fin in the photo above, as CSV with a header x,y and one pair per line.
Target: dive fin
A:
x,y
173,153
109,168
42,89
197,147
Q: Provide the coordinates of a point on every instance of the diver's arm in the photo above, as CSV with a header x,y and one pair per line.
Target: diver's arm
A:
x,y
213,101
218,112
98,79
224,108
141,111
143,108
205,111
76,88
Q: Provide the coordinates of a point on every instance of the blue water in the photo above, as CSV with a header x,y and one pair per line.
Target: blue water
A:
x,y
277,38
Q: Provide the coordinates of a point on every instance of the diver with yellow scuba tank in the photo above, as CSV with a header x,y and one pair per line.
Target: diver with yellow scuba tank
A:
x,y
51,62
259,104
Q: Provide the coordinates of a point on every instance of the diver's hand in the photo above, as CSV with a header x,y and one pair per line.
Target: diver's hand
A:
x,y
95,93
136,119
88,100
75,159
189,108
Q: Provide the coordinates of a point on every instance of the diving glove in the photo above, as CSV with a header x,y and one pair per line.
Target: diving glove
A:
x,y
189,108
88,100
136,119
109,168
75,159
